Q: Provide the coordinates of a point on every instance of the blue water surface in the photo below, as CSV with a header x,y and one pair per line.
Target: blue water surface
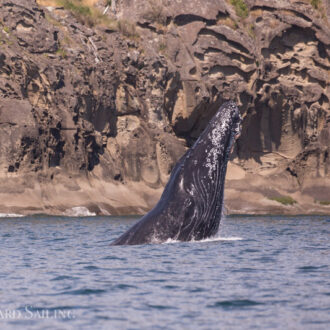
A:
x,y
267,272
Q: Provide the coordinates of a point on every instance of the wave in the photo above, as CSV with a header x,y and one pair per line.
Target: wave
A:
x,y
238,303
11,215
211,239
79,211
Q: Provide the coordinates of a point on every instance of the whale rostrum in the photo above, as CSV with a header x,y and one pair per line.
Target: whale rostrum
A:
x,y
190,207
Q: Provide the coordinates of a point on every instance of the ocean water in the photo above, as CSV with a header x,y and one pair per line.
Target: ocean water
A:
x,y
267,272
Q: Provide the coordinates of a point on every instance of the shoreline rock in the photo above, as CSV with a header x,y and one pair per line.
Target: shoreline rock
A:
x,y
97,116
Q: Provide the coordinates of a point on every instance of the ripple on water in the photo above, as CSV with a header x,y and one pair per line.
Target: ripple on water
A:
x,y
161,307
311,269
91,267
265,259
170,287
196,290
64,277
237,303
83,292
60,239
157,280
245,270
113,258
124,286
250,251
270,279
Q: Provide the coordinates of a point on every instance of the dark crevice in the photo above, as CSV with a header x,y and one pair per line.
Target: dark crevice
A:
x,y
147,26
266,8
322,50
221,37
292,172
200,56
235,56
228,70
184,19
271,9
320,65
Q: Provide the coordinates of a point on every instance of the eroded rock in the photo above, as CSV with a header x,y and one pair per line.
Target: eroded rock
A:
x,y
91,113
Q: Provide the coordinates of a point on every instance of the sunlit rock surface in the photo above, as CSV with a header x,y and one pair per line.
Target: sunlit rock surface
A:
x,y
95,113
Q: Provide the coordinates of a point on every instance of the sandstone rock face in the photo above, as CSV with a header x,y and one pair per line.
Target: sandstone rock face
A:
x,y
97,116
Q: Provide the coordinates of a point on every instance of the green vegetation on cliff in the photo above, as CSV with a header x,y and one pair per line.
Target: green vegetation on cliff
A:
x,y
285,200
316,3
76,7
87,14
241,8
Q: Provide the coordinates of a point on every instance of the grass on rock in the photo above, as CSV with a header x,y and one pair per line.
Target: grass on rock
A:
x,y
285,200
241,8
86,14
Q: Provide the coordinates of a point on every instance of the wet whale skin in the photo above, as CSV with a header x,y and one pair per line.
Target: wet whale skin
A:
x,y
191,205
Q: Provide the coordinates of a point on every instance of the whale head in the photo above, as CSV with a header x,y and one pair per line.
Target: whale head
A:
x,y
212,149
203,171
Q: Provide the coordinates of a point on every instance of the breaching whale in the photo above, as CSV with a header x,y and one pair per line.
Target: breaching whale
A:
x,y
190,207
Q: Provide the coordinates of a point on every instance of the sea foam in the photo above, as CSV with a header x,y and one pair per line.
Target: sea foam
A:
x,y
11,215
79,211
211,239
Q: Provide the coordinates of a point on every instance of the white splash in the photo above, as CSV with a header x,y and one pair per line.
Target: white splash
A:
x,y
11,215
79,211
206,240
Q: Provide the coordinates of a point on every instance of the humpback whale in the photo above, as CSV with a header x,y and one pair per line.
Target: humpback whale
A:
x,y
190,207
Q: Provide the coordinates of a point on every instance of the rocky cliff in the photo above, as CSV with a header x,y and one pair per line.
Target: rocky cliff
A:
x,y
99,99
